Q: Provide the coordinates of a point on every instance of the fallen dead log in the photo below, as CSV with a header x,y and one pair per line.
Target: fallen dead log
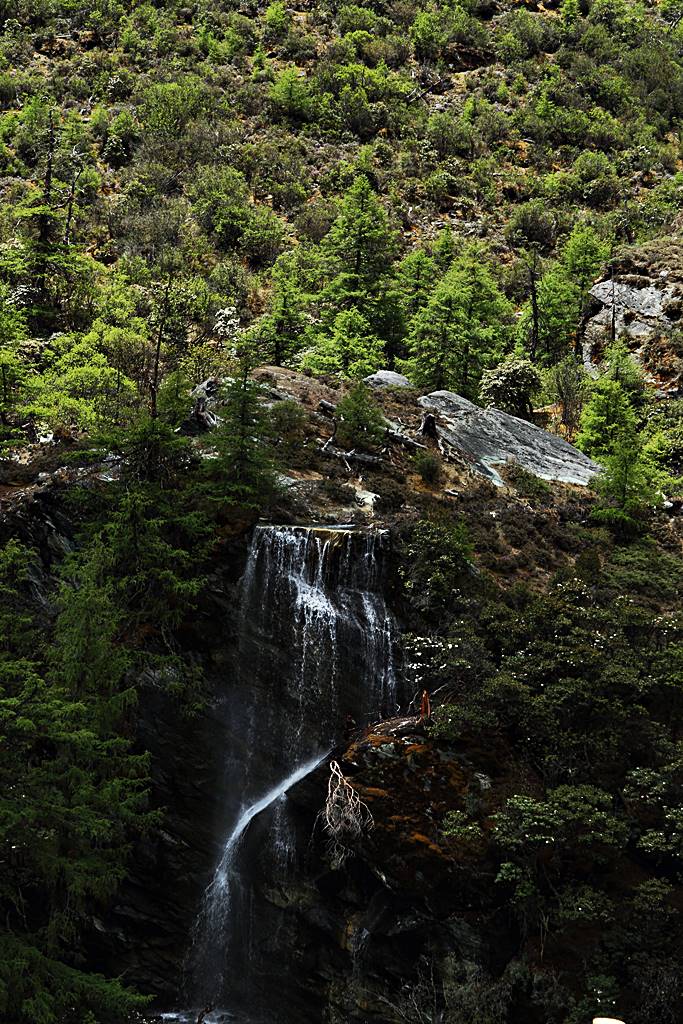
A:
x,y
362,458
407,442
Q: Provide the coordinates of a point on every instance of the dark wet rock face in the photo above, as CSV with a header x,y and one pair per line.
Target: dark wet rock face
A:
x,y
488,438
300,650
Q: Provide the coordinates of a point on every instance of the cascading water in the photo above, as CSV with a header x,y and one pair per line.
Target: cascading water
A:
x,y
317,647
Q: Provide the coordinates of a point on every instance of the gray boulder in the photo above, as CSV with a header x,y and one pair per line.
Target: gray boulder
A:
x,y
487,438
387,379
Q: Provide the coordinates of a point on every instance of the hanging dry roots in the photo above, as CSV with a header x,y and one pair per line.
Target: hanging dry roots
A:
x,y
346,817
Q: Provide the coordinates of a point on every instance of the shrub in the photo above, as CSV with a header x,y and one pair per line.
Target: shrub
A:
x,y
428,465
360,421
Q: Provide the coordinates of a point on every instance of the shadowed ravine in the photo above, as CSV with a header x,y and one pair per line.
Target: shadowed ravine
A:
x,y
317,637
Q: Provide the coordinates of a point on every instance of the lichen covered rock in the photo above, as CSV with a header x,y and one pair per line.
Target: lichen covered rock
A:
x,y
486,438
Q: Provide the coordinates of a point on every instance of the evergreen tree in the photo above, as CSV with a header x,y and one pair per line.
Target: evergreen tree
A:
x,y
462,328
73,795
350,349
548,326
280,333
361,246
583,255
631,480
622,368
415,277
13,370
244,471
606,417
630,484
444,249
360,421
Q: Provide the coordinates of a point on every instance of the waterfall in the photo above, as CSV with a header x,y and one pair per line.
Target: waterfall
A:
x,y
317,647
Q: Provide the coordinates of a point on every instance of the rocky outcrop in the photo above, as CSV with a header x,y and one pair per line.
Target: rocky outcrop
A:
x,y
641,302
486,438
387,379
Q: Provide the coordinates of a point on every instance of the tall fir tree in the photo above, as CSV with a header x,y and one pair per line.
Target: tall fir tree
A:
x,y
606,416
349,349
244,470
462,329
73,797
361,246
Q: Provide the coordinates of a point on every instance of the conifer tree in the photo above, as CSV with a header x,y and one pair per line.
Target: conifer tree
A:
x,y
444,249
73,795
13,370
462,329
350,349
606,417
622,368
584,253
631,479
280,333
361,246
549,329
360,420
244,469
414,281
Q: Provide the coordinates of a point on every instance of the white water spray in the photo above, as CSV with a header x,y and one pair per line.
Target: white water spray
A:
x,y
217,900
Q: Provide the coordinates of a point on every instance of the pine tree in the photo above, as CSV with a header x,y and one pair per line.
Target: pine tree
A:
x,y
73,796
631,479
414,281
622,367
360,421
13,371
554,319
630,484
583,255
444,249
244,471
361,246
280,334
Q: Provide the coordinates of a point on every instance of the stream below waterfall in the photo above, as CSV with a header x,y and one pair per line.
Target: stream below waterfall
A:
x,y
317,648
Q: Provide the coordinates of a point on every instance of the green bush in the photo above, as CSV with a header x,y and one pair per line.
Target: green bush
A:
x,y
360,423
428,465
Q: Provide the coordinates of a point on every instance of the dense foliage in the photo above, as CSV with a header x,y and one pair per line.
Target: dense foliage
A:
x,y
193,189
578,687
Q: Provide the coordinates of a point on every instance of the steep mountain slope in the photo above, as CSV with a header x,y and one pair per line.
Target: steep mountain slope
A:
x,y
217,221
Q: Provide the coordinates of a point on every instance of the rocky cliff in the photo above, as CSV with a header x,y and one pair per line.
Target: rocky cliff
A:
x,y
641,302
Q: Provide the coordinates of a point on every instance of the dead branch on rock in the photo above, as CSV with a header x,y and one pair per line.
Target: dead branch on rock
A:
x,y
346,818
420,1001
